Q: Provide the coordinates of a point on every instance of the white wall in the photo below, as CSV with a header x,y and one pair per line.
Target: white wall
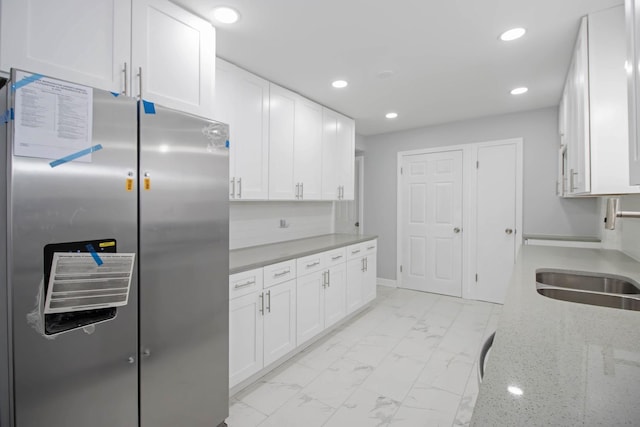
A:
x,y
258,223
544,212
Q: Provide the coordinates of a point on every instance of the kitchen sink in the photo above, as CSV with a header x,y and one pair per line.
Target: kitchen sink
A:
x,y
586,282
592,298
587,288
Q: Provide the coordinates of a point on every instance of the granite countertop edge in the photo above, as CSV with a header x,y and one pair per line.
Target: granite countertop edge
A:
x,y
252,257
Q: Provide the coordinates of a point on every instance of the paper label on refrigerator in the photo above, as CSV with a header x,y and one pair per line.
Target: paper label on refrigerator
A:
x,y
53,119
79,282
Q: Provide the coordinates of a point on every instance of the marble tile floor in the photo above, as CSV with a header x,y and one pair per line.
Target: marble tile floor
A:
x,y
410,360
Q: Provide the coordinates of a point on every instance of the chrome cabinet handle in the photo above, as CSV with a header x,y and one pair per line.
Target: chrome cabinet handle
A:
x,y
239,188
302,190
508,231
298,190
572,180
324,279
313,264
245,284
282,273
261,309
366,264
124,71
456,230
370,247
329,278
355,252
336,257
483,355
362,269
233,188
140,81
268,301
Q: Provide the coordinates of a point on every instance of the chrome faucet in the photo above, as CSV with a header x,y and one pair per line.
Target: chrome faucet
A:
x,y
613,213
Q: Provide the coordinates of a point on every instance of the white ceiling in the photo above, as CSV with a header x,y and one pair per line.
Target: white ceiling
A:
x,y
447,61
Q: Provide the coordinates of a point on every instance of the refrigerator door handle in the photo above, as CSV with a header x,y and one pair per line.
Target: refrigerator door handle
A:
x,y
124,72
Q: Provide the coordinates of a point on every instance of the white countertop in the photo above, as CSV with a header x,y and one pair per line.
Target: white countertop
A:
x,y
576,364
258,256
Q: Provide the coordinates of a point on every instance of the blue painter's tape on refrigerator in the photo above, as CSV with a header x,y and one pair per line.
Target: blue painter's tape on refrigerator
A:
x,y
227,144
30,79
74,156
149,107
94,254
7,116
115,94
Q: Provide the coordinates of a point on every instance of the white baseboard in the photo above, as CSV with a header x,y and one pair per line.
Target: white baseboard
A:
x,y
387,282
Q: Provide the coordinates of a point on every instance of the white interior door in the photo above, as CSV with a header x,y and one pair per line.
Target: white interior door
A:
x,y
432,222
496,241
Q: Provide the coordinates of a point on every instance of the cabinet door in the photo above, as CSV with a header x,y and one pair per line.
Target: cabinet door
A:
x,y
224,110
354,284
633,87
245,337
369,279
579,151
250,143
175,50
281,143
345,160
335,304
83,42
310,305
308,149
330,152
279,321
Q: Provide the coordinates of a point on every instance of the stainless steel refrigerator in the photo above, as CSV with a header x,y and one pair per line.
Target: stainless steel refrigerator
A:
x,y
104,184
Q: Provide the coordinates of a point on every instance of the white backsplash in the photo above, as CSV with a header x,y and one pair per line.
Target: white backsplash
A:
x,y
258,223
626,236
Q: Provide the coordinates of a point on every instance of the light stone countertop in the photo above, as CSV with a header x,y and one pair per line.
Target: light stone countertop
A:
x,y
258,256
576,364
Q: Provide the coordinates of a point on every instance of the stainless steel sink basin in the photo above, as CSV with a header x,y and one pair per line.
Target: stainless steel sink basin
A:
x,y
592,298
586,282
585,288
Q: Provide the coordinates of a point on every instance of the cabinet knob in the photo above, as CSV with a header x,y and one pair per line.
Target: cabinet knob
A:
x,y
508,231
456,230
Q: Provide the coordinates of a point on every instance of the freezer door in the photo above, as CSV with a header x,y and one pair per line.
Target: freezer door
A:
x,y
184,266
87,376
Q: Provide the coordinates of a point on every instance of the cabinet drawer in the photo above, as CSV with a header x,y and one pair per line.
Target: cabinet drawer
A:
x,y
370,247
280,272
334,257
244,283
355,251
311,263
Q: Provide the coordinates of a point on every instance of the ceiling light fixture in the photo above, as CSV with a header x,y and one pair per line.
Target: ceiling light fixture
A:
x,y
339,84
512,34
226,15
519,91
391,115
516,391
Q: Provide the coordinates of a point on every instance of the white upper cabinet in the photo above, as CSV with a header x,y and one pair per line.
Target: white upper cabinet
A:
x,y
338,156
88,42
595,101
307,156
173,57
281,143
633,87
241,100
106,43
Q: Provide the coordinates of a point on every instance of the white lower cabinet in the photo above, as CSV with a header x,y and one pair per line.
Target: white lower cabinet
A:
x,y
279,320
273,310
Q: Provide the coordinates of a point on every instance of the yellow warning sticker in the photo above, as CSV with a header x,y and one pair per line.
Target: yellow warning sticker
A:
x,y
147,183
129,184
107,244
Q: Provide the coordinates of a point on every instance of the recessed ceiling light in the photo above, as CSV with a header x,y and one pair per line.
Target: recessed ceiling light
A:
x,y
226,15
339,84
519,91
391,115
512,34
516,391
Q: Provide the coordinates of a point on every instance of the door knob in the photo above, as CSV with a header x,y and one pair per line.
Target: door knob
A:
x,y
508,231
456,230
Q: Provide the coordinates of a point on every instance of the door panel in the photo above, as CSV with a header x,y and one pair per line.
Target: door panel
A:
x,y
335,305
58,381
281,140
184,267
354,284
496,210
245,337
432,212
310,305
279,321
